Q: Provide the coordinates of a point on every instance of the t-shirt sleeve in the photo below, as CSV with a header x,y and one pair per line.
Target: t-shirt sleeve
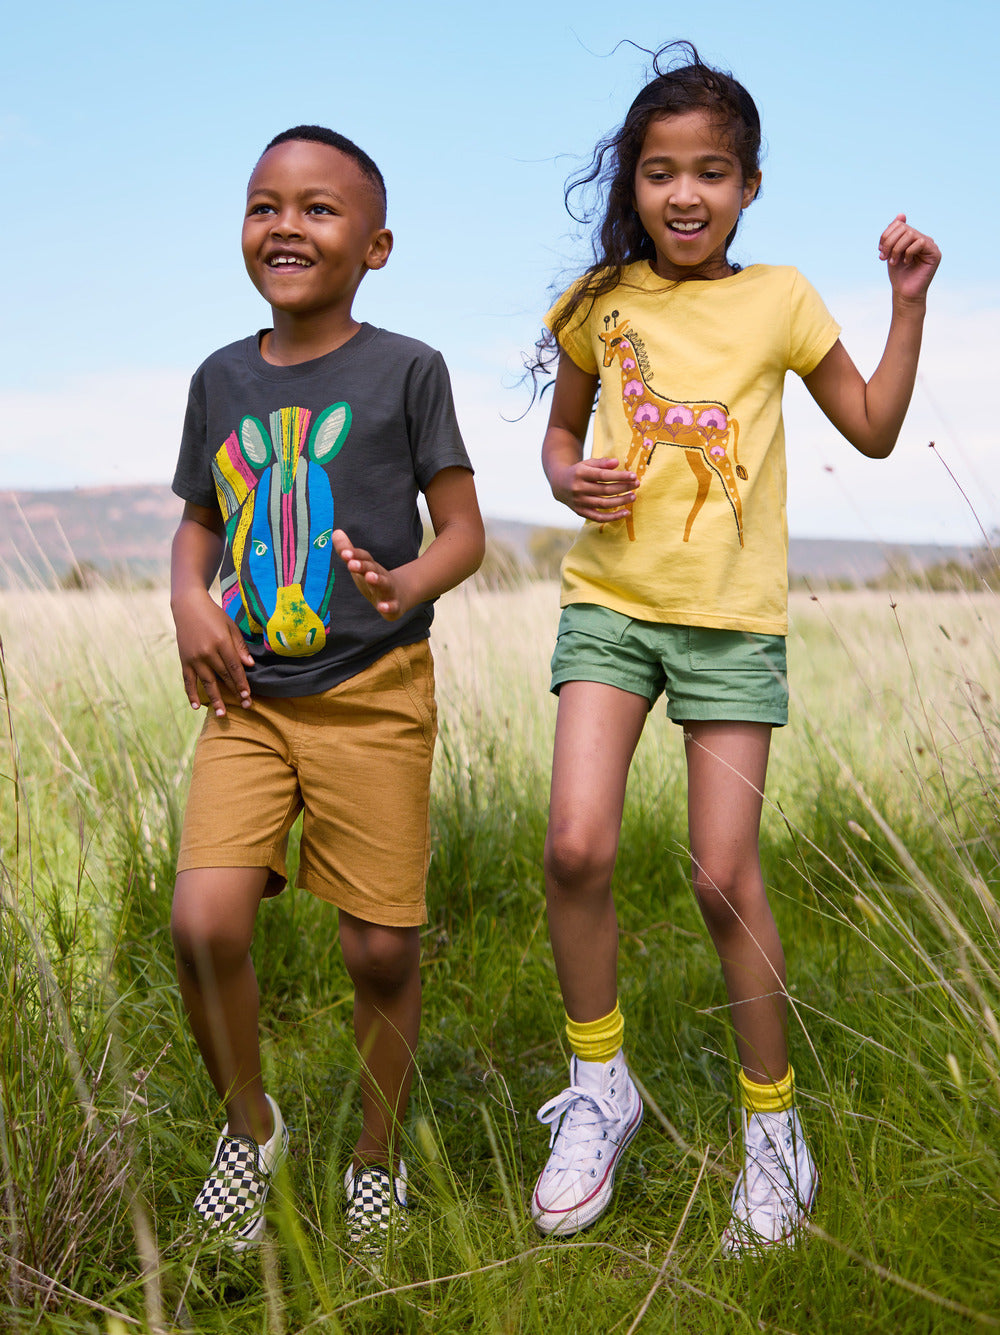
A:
x,y
813,330
574,338
193,475
431,423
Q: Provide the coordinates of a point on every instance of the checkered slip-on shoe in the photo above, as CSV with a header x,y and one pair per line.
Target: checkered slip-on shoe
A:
x,y
232,1199
376,1203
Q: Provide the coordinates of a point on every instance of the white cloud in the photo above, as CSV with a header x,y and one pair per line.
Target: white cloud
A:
x,y
115,428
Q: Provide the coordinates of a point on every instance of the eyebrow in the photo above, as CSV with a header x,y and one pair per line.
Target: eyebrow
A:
x,y
705,160
305,191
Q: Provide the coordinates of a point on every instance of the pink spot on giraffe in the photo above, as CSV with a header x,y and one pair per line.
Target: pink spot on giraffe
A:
x,y
628,363
717,452
645,413
633,389
713,418
678,414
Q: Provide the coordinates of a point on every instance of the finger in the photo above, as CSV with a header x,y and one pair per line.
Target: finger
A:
x,y
238,680
215,700
191,687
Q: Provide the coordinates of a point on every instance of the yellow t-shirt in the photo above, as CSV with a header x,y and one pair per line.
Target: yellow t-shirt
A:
x,y
691,377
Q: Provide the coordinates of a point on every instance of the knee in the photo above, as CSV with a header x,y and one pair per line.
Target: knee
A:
x,y
725,893
204,940
380,959
577,857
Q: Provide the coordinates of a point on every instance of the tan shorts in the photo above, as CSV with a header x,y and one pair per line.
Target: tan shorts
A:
x,y
355,760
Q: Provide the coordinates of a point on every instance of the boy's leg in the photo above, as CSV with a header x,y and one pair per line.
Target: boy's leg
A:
x,y
384,965
212,923
727,765
595,1118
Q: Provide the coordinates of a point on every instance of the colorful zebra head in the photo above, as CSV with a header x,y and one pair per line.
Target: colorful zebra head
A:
x,y
276,497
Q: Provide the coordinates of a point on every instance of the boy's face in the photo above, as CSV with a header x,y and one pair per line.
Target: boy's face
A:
x,y
313,228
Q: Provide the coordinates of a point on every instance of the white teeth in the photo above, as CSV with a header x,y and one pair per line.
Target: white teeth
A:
x,y
686,226
287,259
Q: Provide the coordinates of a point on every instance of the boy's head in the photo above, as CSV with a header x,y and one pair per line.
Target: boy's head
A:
x,y
314,222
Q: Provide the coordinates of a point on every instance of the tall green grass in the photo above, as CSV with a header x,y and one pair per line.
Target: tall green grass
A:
x,y
880,848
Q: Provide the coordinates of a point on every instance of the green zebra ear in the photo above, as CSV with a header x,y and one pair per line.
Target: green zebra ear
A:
x,y
327,437
255,442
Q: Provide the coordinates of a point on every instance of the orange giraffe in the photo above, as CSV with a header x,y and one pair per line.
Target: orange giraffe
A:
x,y
704,431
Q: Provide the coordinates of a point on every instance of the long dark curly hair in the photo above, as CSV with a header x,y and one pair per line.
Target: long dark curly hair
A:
x,y
681,82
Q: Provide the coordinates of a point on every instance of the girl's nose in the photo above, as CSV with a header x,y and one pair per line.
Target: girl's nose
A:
x,y
685,190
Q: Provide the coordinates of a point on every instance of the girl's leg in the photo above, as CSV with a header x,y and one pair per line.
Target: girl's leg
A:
x,y
212,923
384,965
727,765
597,730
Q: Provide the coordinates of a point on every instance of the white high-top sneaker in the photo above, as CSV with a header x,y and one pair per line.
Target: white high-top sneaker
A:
x,y
592,1122
775,1191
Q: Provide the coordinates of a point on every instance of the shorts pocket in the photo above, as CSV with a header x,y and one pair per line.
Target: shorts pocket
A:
x,y
590,619
416,671
712,649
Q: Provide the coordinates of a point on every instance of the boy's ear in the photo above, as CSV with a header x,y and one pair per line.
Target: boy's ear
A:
x,y
379,248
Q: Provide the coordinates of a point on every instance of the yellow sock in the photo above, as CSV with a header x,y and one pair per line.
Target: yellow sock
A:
x,y
778,1096
597,1040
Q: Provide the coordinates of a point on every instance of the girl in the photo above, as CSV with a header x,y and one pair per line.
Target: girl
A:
x,y
678,583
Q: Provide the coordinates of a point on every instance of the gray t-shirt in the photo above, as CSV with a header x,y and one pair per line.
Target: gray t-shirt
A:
x,y
287,454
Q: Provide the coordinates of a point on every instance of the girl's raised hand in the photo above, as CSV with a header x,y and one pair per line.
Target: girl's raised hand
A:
x,y
911,257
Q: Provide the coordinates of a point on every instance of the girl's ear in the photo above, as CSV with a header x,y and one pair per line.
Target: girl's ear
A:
x,y
750,188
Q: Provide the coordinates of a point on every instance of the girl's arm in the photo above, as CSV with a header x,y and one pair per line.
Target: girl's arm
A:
x,y
211,648
870,415
592,488
456,552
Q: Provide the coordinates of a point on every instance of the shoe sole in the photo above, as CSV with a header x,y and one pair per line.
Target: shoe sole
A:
x,y
734,1244
589,1210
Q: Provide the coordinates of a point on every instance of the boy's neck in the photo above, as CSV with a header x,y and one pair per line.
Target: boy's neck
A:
x,y
303,339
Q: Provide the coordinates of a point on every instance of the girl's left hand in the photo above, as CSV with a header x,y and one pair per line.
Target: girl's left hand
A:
x,y
912,258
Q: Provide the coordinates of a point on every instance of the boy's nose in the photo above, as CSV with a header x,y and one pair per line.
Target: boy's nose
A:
x,y
286,223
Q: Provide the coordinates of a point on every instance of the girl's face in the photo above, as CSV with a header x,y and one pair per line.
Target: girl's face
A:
x,y
689,191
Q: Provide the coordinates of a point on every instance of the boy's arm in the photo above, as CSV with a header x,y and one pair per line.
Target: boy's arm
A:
x,y
592,488
456,552
211,648
870,415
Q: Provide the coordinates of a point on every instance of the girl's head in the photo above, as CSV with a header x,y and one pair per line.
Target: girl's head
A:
x,y
629,167
730,118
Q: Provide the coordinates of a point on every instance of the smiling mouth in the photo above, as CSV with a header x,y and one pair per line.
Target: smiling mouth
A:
x,y
288,262
687,228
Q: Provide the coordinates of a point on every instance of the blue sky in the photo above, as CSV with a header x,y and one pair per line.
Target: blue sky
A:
x,y
127,134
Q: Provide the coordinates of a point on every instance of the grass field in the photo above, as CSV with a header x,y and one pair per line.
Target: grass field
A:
x,y
882,853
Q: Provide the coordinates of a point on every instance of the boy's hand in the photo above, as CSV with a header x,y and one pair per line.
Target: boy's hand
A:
x,y
912,258
384,589
595,489
212,651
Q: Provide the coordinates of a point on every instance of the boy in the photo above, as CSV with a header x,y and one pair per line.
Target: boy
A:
x,y
316,668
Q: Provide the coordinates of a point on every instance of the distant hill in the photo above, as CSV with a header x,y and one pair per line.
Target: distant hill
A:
x,y
45,534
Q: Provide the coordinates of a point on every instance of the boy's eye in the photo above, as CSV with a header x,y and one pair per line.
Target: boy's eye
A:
x,y
319,208
260,208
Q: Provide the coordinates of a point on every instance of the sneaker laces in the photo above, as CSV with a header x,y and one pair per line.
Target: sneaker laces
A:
x,y
770,1168
573,1116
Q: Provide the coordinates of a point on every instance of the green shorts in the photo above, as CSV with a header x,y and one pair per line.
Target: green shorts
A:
x,y
707,674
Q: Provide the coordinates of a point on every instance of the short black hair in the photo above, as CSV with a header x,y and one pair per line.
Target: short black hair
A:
x,y
319,134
